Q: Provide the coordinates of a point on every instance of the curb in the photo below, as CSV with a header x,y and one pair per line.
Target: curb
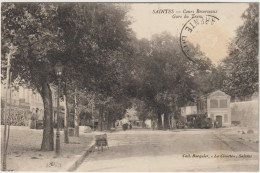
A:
x,y
80,159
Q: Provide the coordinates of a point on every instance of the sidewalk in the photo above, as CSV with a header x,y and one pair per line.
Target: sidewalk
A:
x,y
24,150
241,134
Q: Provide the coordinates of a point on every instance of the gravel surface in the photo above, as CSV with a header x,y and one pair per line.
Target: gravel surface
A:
x,y
179,150
24,150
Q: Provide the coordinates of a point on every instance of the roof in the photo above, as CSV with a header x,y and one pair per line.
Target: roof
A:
x,y
214,93
218,93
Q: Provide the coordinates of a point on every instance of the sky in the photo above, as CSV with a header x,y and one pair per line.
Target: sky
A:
x,y
213,40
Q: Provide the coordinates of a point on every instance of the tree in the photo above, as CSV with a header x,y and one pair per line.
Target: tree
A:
x,y
143,112
44,33
242,74
101,43
208,77
163,76
31,27
114,110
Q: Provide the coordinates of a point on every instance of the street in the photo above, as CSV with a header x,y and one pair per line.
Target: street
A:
x,y
78,76
179,150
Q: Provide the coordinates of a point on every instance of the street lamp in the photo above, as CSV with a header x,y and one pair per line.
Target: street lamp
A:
x,y
58,71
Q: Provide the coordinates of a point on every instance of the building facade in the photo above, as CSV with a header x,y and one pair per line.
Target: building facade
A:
x,y
217,107
25,102
33,99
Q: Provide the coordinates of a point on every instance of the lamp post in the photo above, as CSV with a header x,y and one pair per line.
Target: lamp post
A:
x,y
58,71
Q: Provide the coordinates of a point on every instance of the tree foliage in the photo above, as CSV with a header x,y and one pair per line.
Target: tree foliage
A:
x,y
242,63
90,39
106,64
162,76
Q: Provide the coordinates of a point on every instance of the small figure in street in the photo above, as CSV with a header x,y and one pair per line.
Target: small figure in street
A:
x,y
125,126
153,125
215,124
34,119
130,126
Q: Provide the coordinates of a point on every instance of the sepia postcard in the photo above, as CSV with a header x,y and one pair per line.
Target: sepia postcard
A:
x,y
130,86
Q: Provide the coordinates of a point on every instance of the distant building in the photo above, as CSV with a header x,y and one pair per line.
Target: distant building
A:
x,y
33,99
255,96
19,110
131,117
188,110
148,123
26,101
217,106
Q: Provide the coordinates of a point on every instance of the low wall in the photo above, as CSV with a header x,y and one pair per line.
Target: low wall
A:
x,y
245,112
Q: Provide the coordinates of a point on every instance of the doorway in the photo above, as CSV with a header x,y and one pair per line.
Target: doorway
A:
x,y
219,120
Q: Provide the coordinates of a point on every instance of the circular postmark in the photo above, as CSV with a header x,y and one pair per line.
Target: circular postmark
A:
x,y
189,28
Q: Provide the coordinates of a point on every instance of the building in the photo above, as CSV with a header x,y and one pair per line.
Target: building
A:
x,y
19,110
217,106
255,96
33,99
25,102
188,110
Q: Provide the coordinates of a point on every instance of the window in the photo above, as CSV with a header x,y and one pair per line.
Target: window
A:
x,y
223,103
213,103
225,118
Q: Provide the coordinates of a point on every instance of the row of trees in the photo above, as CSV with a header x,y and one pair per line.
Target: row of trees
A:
x,y
164,80
107,66
91,40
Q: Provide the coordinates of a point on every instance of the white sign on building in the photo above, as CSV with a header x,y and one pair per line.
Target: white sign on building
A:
x,y
188,110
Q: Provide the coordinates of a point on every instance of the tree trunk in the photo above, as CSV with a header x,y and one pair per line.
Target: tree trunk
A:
x,y
108,122
76,116
114,123
171,118
48,136
170,121
105,121
159,126
166,120
66,118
